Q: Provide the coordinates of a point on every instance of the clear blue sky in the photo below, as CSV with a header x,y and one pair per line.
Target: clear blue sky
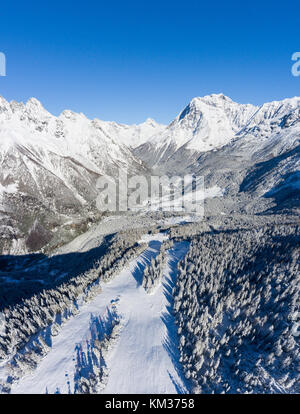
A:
x,y
129,60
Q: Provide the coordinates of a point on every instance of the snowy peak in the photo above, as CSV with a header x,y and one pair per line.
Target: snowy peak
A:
x,y
214,108
279,111
34,104
36,116
37,149
278,108
133,135
206,123
33,107
151,122
50,166
217,115
4,106
216,100
213,121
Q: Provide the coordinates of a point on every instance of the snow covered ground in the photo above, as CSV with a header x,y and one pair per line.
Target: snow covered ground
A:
x,y
144,358
113,224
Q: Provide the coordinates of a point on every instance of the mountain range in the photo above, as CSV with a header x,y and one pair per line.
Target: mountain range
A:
x,y
50,165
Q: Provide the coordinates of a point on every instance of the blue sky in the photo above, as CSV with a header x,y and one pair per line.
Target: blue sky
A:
x,y
129,60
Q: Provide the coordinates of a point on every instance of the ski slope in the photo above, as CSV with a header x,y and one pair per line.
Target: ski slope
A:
x,y
143,359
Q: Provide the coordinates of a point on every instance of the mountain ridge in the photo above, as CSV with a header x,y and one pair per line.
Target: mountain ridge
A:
x,y
50,165
211,122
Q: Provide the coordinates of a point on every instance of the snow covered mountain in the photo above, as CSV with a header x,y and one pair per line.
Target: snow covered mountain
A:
x,y
133,135
49,165
227,142
205,124
211,122
261,157
49,168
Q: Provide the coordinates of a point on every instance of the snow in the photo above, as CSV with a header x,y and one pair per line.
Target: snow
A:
x,y
192,199
206,123
133,135
147,238
292,182
35,145
214,121
141,362
171,221
109,225
144,359
31,133
9,189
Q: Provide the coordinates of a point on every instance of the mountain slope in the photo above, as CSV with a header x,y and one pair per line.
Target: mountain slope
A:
x,y
135,361
224,141
49,168
205,124
211,122
133,135
49,165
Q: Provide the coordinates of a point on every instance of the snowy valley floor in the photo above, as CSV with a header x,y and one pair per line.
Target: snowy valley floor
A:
x,y
143,358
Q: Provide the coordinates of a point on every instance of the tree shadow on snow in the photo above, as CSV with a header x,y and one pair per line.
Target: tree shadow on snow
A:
x,y
24,276
151,253
89,355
